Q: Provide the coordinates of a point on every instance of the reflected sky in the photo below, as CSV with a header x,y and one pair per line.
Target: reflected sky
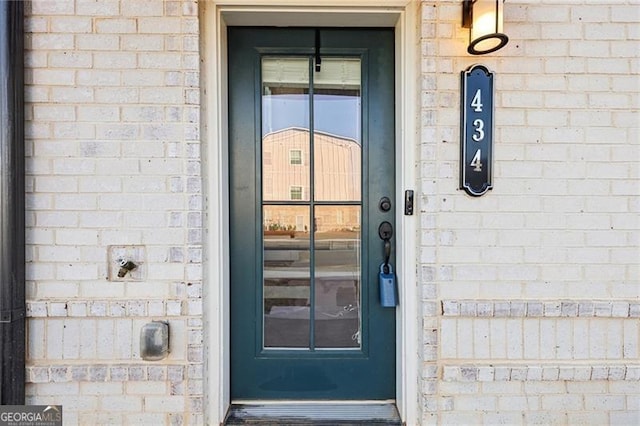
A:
x,y
330,111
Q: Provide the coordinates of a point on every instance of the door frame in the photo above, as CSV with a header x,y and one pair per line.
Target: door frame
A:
x,y
215,17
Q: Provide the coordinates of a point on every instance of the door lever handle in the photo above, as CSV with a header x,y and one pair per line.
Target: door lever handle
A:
x,y
385,232
387,252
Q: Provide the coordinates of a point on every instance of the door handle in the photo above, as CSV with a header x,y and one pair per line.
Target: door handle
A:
x,y
386,277
385,232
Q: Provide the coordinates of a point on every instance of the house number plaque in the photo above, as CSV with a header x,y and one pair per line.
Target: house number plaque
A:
x,y
476,151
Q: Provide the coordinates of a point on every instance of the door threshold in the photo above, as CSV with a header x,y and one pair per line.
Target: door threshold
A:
x,y
314,413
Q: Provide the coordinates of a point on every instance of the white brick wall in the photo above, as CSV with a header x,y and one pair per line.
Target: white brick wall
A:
x,y
530,292
539,276
110,126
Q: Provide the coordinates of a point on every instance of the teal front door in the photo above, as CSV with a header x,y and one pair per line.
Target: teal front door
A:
x,y
311,148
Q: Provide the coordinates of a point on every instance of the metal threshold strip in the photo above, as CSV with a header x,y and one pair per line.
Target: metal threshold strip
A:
x,y
314,413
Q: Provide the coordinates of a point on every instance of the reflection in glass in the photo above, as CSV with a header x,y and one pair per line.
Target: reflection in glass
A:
x,y
305,177
286,290
337,276
285,129
336,139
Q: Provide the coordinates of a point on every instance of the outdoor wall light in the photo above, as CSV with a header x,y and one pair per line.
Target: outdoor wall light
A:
x,y
484,20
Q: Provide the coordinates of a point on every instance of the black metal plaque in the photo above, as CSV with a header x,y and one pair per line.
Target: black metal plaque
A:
x,y
476,150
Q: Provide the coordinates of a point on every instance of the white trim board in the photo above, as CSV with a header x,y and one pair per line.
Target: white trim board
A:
x,y
215,16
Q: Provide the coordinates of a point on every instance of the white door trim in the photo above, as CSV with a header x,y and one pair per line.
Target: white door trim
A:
x,y
215,16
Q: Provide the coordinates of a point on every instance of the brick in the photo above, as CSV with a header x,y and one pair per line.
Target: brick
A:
x,y
617,373
531,339
70,339
115,60
117,131
49,41
464,338
72,201
518,403
597,340
71,24
599,372
70,60
164,404
142,8
87,346
625,417
118,374
448,331
98,78
53,77
35,24
614,340
604,402
159,25
560,32
534,373
36,339
166,95
146,388
143,43
115,26
146,419
100,418
59,374
562,403
101,219
564,343
604,31
98,114
514,339
121,403
630,340
58,389
56,219
99,42
123,339
458,418
105,337
97,7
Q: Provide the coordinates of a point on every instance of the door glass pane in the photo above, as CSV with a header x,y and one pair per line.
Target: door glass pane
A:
x,y
286,290
311,267
337,124
337,276
285,129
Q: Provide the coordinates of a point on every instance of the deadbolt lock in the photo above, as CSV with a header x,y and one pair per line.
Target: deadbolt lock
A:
x,y
385,204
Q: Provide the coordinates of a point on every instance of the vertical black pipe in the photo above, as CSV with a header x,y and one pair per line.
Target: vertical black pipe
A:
x,y
12,209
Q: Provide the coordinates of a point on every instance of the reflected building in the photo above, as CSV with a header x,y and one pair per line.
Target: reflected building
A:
x,y
291,178
286,177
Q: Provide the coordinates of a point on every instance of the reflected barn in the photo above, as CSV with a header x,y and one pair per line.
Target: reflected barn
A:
x,y
286,177
288,265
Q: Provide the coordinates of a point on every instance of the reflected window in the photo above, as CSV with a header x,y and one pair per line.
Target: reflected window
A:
x,y
296,193
295,157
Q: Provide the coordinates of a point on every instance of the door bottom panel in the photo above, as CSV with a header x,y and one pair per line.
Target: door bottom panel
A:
x,y
323,414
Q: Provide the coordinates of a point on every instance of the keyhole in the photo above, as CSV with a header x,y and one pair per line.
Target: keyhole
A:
x,y
385,230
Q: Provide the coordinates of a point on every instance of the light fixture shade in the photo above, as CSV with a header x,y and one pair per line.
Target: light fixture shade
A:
x,y
486,34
